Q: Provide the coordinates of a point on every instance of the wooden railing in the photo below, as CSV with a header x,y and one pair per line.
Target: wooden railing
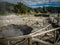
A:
x,y
31,36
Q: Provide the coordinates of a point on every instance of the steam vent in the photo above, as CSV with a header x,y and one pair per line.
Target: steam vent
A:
x,y
15,30
28,30
12,25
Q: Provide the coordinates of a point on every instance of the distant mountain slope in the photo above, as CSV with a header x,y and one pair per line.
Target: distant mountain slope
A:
x,y
21,8
6,7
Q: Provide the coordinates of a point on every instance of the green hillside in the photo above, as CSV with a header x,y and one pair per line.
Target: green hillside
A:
x,y
21,8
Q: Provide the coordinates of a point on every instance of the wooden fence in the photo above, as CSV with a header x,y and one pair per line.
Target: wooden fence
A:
x,y
31,36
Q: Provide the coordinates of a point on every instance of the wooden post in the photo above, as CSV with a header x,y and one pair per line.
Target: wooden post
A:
x,y
37,43
43,22
55,37
30,41
8,42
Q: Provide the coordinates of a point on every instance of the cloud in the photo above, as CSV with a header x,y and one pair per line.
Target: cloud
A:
x,y
40,3
55,0
30,3
47,5
11,1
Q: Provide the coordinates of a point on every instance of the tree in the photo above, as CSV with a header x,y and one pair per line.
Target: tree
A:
x,y
21,8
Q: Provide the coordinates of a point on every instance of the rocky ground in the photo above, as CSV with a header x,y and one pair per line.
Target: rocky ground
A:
x,y
13,25
8,22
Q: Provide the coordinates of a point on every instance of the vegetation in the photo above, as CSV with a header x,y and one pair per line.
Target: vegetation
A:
x,y
21,8
53,9
5,8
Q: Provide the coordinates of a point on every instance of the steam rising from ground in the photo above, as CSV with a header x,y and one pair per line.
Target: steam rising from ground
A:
x,y
13,25
15,30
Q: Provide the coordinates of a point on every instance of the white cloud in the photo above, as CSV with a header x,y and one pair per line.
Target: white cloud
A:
x,y
32,1
35,6
55,0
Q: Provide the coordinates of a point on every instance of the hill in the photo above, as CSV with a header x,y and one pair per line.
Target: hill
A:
x,y
6,7
21,8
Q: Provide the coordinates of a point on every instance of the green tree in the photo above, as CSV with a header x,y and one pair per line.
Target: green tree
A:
x,y
21,8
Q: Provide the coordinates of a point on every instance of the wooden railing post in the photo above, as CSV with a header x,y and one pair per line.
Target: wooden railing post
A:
x,y
8,43
30,41
37,43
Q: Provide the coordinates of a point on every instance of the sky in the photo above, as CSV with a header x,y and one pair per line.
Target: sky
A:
x,y
36,3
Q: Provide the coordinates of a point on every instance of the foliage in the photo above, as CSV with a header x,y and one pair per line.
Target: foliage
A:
x,y
53,9
21,8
